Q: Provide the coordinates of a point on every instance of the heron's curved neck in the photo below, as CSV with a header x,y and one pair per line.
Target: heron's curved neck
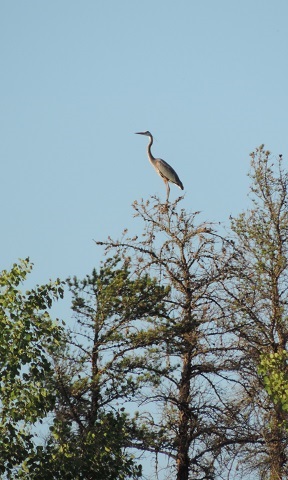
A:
x,y
151,158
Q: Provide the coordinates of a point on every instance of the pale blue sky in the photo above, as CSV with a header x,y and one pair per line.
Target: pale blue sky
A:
x,y
78,78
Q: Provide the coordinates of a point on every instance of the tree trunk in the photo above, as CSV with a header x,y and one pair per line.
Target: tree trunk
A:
x,y
184,418
277,449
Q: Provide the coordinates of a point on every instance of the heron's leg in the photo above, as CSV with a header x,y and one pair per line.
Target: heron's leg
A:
x,y
168,191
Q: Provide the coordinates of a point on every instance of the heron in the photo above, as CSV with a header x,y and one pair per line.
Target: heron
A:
x,y
166,172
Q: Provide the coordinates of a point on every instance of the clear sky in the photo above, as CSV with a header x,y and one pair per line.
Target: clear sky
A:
x,y
78,78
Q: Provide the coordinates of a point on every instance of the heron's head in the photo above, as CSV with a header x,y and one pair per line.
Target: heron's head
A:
x,y
148,134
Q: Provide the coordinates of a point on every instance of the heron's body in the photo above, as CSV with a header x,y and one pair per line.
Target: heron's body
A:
x,y
166,172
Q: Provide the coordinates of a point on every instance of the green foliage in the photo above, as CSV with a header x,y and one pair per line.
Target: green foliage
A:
x,y
274,370
97,453
27,339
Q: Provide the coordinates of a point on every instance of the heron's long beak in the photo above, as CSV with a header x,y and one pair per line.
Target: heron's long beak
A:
x,y
140,133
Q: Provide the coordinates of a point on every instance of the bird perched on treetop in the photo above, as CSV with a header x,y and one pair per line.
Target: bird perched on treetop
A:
x,y
166,172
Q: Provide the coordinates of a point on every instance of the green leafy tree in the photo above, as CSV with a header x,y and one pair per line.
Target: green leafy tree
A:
x,y
28,338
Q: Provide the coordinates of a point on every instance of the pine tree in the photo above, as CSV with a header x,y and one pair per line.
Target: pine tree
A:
x,y
188,345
